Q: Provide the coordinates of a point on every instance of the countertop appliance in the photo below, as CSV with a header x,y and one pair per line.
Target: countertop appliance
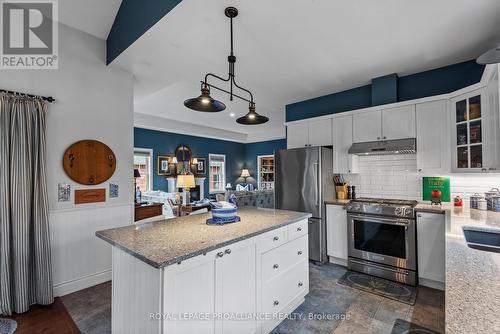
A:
x,y
303,181
382,238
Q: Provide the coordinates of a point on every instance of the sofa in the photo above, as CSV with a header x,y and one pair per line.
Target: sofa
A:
x,y
258,198
158,196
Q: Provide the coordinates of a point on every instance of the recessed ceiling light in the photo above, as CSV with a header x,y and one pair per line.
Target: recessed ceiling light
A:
x,y
232,114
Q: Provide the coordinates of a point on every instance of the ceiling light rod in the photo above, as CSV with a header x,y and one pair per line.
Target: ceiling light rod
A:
x,y
227,92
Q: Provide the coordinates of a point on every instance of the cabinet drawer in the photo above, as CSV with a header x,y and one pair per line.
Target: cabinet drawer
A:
x,y
273,239
297,229
279,292
282,258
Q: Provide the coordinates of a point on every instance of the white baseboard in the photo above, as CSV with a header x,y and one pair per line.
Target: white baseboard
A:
x,y
81,283
431,283
336,260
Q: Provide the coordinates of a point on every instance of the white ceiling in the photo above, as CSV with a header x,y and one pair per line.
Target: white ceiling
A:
x,y
292,50
94,17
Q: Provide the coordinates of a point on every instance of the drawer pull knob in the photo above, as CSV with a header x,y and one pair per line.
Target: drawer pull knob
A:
x,y
299,253
276,303
220,254
276,238
419,215
228,251
276,266
299,229
300,284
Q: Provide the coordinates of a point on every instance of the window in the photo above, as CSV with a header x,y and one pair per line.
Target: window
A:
x,y
142,162
216,172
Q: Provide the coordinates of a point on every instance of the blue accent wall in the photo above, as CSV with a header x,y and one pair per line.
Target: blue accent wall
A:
x,y
252,150
133,19
385,89
442,80
238,155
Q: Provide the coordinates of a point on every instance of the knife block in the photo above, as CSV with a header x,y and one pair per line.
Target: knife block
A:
x,y
341,191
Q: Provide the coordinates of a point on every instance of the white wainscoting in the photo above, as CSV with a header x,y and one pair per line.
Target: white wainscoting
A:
x,y
79,258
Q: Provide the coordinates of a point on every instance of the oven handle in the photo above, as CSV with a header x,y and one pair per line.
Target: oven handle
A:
x,y
397,221
398,270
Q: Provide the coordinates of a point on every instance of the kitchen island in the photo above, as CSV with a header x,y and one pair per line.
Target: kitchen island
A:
x,y
184,276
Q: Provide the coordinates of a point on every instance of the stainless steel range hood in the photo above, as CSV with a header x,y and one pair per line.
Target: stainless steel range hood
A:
x,y
397,146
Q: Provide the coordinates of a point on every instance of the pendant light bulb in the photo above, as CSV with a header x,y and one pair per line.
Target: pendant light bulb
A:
x,y
205,102
252,118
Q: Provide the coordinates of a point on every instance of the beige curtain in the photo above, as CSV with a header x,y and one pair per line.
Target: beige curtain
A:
x,y
25,270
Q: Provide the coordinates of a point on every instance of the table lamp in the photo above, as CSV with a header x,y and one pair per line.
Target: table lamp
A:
x,y
244,174
185,181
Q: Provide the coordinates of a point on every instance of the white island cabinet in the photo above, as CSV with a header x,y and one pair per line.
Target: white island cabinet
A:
x,y
241,287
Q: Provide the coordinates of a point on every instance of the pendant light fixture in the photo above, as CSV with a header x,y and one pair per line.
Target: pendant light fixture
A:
x,y
206,103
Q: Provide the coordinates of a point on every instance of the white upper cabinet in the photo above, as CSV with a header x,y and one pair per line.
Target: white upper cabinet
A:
x,y
320,132
309,133
343,162
398,123
432,137
367,126
297,135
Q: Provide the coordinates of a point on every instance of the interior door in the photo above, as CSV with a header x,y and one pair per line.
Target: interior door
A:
x,y
297,180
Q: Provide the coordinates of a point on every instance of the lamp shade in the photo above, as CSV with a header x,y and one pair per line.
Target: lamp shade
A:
x,y
136,173
245,173
205,102
185,181
195,161
173,160
252,118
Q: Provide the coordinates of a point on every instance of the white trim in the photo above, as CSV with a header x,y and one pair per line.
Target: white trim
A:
x,y
81,283
210,191
151,162
99,205
394,105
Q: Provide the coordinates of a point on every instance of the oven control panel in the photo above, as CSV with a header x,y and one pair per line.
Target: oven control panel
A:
x,y
402,211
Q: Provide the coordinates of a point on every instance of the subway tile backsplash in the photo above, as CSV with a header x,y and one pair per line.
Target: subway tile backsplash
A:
x,y
395,176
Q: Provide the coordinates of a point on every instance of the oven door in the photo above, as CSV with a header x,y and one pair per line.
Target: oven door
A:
x,y
389,241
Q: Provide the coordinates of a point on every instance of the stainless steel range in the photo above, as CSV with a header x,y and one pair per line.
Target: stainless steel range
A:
x,y
382,238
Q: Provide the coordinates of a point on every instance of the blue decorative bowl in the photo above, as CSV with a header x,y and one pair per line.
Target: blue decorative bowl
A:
x,y
224,214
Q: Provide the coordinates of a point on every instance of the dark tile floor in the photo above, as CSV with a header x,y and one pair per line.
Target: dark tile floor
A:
x,y
91,309
329,308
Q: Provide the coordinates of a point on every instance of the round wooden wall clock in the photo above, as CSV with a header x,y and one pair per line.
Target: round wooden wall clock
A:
x,y
89,162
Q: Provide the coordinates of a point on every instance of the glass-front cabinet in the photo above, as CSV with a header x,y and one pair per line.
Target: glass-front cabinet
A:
x,y
472,127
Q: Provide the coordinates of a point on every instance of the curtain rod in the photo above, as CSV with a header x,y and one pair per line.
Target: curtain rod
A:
x,y
49,99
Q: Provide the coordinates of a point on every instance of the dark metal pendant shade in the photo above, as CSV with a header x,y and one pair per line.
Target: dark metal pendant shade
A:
x,y
490,57
252,118
205,102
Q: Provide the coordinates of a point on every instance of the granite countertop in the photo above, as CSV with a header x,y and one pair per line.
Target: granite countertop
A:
x,y
472,276
165,242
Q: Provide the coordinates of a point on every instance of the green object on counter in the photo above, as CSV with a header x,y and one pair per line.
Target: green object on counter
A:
x,y
434,185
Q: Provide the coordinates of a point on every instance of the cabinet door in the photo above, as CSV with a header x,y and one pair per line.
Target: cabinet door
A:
x,y
320,132
297,135
336,231
343,162
468,132
367,126
431,246
189,288
236,287
432,138
398,123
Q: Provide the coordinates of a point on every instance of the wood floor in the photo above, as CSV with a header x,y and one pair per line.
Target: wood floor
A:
x,y
52,319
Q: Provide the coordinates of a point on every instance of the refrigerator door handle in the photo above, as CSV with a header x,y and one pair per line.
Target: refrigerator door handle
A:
x,y
316,168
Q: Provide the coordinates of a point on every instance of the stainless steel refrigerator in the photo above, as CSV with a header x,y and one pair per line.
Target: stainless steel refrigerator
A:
x,y
303,181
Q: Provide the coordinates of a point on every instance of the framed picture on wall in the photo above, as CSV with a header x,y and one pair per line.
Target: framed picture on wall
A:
x,y
164,167
201,167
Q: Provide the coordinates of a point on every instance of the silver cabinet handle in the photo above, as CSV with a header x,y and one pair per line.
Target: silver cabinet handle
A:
x,y
300,284
276,238
276,266
276,303
483,169
420,169
228,251
299,229
378,138
385,137
299,253
220,254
